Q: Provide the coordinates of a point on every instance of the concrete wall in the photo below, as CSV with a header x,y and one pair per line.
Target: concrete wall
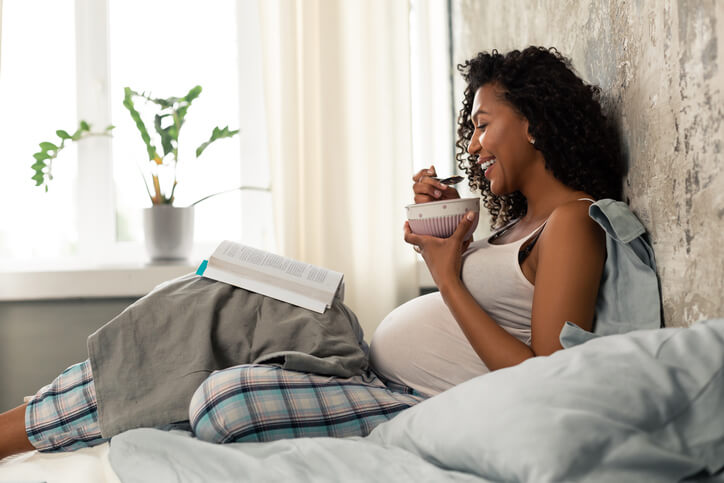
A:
x,y
41,338
660,64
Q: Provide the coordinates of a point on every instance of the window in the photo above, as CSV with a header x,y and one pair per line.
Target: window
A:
x,y
37,96
433,127
434,112
73,64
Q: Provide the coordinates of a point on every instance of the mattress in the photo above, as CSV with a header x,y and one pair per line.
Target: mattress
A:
x,y
85,465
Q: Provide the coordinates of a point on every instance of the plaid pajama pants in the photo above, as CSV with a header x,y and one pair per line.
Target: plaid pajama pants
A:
x,y
63,415
241,403
265,403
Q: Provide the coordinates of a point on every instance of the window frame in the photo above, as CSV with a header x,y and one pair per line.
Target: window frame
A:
x,y
95,203
431,89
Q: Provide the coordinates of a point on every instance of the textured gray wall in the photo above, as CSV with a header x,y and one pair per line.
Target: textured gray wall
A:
x,y
39,339
659,63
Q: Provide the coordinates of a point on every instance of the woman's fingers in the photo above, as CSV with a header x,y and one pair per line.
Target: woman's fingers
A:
x,y
426,197
425,176
424,194
424,172
410,237
417,241
464,226
423,191
428,189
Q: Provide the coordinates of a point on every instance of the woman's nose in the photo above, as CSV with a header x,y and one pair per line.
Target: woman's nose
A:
x,y
475,144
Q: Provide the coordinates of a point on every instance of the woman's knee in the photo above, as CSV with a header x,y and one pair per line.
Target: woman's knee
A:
x,y
265,403
218,410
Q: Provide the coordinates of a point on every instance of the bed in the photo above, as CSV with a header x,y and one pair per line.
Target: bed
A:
x,y
642,406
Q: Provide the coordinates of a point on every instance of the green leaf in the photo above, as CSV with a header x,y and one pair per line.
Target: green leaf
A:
x,y
39,179
49,151
184,107
216,134
193,94
110,127
130,92
39,175
167,137
128,104
164,103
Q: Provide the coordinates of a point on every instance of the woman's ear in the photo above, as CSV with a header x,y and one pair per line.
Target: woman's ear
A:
x,y
528,134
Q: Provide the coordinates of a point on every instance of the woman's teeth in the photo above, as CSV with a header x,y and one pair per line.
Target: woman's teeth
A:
x,y
487,164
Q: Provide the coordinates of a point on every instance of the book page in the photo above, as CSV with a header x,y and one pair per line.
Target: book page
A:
x,y
268,289
278,266
278,277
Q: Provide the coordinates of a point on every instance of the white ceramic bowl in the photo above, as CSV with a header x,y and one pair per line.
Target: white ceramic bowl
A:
x,y
441,218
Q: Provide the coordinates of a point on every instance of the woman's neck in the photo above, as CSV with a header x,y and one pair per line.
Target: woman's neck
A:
x,y
545,195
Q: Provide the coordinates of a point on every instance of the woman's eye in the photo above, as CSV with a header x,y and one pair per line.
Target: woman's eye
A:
x,y
481,127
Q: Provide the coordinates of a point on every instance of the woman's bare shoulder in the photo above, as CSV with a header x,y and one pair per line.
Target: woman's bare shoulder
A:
x,y
570,223
570,260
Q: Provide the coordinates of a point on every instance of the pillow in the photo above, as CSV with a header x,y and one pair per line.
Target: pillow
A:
x,y
646,405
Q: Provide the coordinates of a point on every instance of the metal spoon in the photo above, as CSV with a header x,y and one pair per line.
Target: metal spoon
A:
x,y
449,181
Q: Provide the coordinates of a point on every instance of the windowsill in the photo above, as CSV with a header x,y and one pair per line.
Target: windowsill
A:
x,y
113,281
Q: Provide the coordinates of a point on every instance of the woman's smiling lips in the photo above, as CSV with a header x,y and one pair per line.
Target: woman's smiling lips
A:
x,y
486,164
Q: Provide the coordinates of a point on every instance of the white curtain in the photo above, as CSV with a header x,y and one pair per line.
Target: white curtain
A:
x,y
338,115
1,31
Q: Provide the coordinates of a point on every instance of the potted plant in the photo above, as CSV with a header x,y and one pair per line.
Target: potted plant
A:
x,y
168,229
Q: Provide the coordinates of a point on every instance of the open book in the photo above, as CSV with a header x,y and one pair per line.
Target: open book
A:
x,y
272,275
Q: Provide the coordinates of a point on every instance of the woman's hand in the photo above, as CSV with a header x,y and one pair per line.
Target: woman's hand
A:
x,y
443,256
427,189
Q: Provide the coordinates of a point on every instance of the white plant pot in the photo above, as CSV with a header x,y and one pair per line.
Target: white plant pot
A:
x,y
169,232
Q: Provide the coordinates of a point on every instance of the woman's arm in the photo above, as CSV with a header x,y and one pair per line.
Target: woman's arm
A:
x,y
571,251
495,347
443,256
571,256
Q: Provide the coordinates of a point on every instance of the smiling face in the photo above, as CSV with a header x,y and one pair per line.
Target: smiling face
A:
x,y
501,141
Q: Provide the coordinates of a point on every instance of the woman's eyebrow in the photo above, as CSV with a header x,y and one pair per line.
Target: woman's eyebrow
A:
x,y
479,111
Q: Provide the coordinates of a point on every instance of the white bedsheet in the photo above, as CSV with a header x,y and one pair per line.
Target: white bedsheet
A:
x,y
86,465
143,455
641,407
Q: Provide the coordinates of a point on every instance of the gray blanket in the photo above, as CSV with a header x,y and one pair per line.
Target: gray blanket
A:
x,y
148,361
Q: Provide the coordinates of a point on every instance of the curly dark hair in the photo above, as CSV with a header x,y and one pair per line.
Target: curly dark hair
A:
x,y
579,143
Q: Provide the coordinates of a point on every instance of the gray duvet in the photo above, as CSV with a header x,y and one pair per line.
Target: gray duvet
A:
x,y
645,406
148,361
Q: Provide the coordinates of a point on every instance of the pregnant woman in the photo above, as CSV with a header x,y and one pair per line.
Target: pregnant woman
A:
x,y
533,140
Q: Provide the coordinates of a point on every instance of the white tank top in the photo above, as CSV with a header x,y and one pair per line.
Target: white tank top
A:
x,y
421,345
494,278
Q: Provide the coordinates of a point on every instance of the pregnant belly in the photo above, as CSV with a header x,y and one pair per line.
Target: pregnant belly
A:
x,y
420,344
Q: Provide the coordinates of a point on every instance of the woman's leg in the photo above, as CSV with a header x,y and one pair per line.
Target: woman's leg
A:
x,y
266,403
62,416
13,439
